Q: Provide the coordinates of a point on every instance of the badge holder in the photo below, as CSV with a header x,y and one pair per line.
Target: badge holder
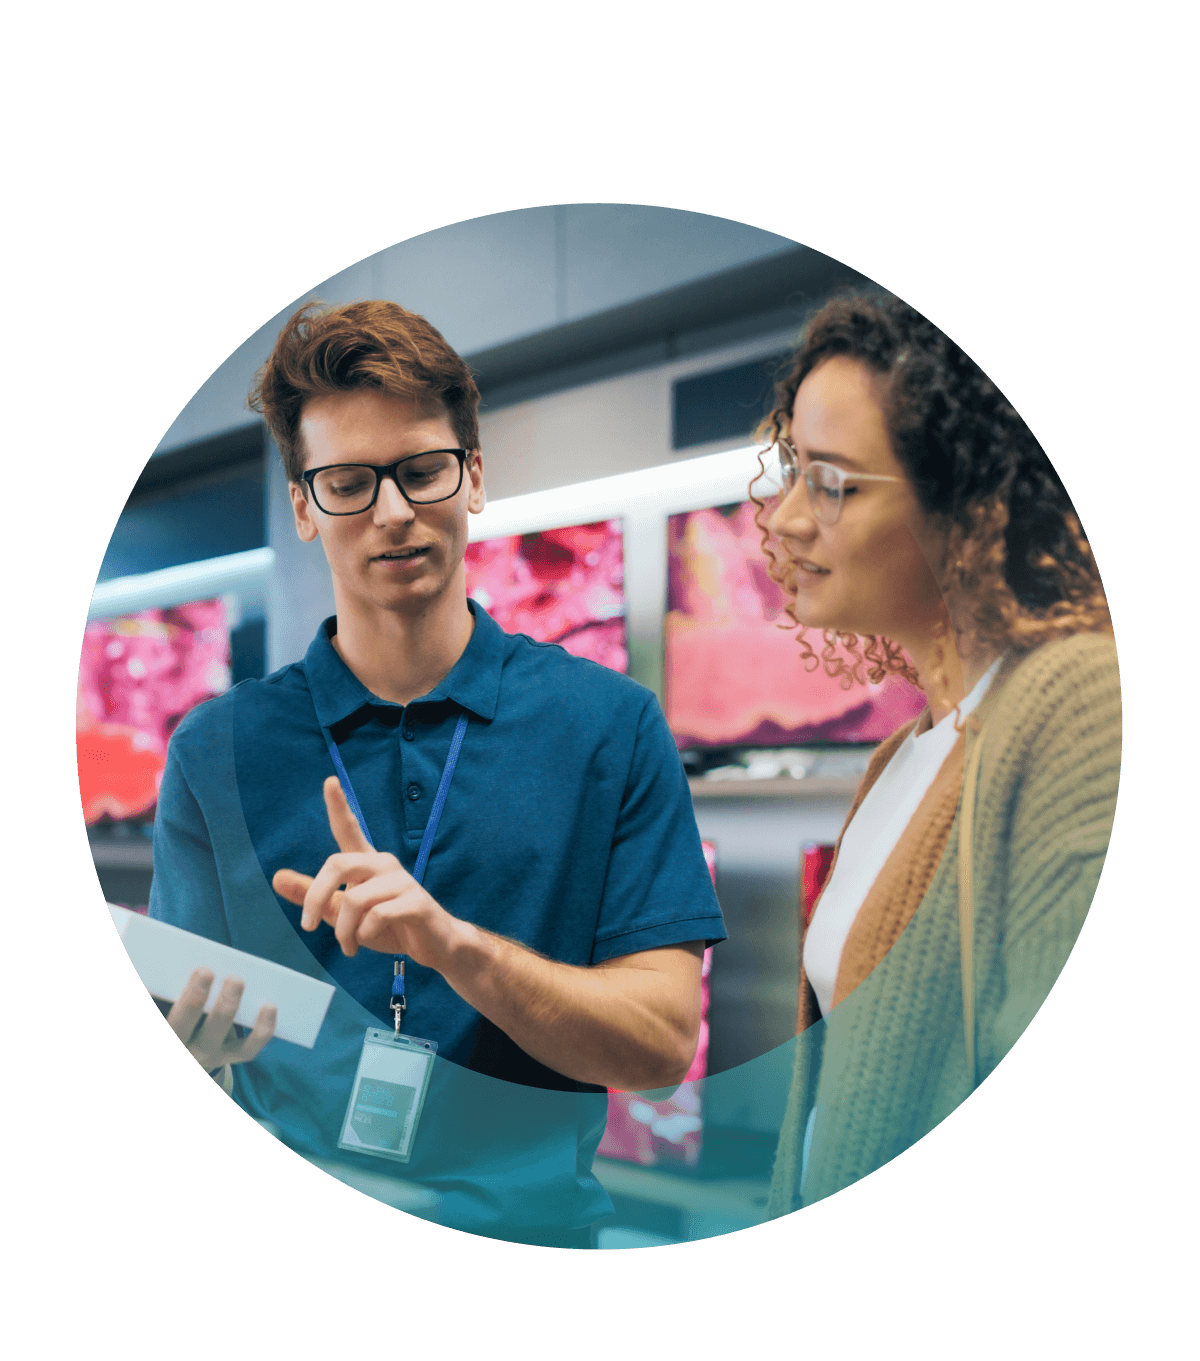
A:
x,y
393,1069
389,1089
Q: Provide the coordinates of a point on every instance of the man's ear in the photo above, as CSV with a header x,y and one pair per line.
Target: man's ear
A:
x,y
306,526
477,496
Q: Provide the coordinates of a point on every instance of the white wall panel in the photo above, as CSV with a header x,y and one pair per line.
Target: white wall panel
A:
x,y
481,282
616,425
616,253
500,278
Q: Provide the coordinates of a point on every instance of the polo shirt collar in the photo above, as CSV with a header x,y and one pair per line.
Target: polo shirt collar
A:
x,y
473,682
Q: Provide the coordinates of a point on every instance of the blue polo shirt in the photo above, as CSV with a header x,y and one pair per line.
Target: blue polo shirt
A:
x,y
568,827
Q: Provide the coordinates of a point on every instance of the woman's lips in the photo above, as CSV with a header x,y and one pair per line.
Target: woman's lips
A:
x,y
805,573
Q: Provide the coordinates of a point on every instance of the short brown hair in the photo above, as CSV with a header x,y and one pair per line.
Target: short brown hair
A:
x,y
360,345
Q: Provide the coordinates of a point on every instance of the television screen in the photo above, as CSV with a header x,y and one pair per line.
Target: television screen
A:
x,y
733,676
561,586
651,1132
138,675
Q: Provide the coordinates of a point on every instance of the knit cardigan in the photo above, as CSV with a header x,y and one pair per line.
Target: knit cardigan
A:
x,y
889,1062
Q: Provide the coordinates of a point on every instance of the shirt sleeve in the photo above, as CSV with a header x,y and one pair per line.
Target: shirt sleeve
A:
x,y
657,888
186,889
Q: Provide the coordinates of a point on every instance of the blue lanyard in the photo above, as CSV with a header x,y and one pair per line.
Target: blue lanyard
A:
x,y
399,1003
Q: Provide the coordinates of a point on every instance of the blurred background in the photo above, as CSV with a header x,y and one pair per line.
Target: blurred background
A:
x,y
625,355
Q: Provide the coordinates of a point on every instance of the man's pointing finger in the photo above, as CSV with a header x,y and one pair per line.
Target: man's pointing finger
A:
x,y
342,822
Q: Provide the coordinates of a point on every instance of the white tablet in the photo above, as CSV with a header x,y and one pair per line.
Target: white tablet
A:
x,y
165,957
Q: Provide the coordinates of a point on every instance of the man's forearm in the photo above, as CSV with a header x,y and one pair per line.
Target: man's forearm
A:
x,y
629,1026
630,1023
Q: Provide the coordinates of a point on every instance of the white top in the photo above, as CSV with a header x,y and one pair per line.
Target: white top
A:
x,y
872,836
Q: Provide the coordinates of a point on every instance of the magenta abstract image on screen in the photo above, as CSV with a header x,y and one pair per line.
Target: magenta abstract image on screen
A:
x,y
733,676
138,675
561,586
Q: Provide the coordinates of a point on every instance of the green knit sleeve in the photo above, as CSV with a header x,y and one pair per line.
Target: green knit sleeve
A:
x,y
1053,799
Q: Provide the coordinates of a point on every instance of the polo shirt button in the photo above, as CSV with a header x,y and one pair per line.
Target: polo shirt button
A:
x,y
407,734
414,792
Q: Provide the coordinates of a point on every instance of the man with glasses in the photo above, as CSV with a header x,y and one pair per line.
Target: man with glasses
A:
x,y
551,924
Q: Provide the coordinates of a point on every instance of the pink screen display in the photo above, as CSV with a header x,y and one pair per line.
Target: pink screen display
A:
x,y
561,586
650,1132
733,677
138,675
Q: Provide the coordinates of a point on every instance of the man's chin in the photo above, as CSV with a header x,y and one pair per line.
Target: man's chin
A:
x,y
412,597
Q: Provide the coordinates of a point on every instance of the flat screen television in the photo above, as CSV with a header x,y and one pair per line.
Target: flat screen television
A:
x,y
733,677
138,675
563,586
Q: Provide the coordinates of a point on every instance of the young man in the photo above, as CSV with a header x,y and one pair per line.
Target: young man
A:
x,y
556,939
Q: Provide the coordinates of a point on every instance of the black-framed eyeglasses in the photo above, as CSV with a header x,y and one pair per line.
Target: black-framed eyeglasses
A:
x,y
423,480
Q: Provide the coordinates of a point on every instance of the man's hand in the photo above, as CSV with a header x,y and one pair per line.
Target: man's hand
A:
x,y
630,1023
214,1042
367,896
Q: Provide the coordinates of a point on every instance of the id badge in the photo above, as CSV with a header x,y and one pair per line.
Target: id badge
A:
x,y
388,1094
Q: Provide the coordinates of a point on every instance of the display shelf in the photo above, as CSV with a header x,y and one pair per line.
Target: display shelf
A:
x,y
244,575
122,855
654,493
785,787
138,854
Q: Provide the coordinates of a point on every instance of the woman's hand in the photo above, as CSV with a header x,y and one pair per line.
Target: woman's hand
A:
x,y
213,1041
368,897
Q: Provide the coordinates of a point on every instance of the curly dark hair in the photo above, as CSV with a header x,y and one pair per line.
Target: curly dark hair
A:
x,y
1017,559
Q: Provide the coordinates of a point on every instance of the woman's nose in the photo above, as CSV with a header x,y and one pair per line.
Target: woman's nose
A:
x,y
792,517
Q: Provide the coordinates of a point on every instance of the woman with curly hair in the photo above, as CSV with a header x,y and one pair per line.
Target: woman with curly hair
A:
x,y
918,528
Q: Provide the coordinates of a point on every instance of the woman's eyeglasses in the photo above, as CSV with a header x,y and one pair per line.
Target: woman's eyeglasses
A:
x,y
826,484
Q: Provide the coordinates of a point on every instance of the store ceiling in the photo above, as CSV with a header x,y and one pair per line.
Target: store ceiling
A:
x,y
546,298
